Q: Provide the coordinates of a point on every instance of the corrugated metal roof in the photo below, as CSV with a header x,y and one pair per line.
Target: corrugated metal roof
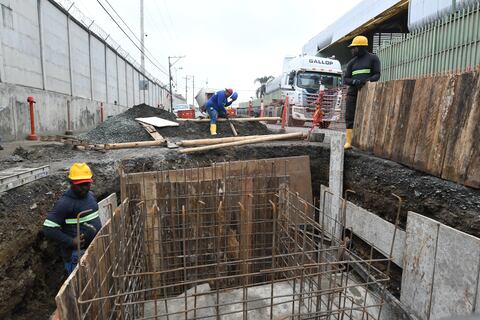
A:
x,y
368,12
424,12
353,19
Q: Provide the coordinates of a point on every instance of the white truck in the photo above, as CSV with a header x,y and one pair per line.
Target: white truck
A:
x,y
302,79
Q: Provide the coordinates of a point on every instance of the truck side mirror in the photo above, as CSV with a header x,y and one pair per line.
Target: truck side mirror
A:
x,y
291,78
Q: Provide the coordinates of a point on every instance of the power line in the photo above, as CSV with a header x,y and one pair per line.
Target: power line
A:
x,y
172,38
153,63
133,33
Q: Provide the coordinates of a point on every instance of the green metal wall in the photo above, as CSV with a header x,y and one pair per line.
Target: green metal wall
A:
x,y
449,45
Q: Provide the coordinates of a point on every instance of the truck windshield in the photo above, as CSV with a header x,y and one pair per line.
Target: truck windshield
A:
x,y
312,80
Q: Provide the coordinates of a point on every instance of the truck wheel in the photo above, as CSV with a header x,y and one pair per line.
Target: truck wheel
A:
x,y
324,124
295,123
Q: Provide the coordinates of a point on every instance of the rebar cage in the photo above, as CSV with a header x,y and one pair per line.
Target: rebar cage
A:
x,y
215,243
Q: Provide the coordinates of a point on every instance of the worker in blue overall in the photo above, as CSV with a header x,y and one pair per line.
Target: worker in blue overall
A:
x,y
364,67
216,107
78,202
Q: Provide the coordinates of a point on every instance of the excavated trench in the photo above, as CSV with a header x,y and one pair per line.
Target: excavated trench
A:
x,y
31,272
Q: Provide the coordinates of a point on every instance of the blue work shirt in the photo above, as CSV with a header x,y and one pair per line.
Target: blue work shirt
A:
x,y
218,102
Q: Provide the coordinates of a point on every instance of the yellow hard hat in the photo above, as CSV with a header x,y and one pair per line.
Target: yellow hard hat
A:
x,y
80,173
359,41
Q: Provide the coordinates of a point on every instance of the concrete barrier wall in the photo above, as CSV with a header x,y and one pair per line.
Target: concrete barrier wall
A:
x,y
46,53
441,265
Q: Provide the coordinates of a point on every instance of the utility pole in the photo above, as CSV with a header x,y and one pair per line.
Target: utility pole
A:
x,y
142,47
142,37
170,65
193,90
186,89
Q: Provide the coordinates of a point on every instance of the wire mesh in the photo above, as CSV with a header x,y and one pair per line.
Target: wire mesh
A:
x,y
212,243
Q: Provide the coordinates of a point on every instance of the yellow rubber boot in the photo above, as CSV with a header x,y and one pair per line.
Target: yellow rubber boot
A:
x,y
213,129
348,144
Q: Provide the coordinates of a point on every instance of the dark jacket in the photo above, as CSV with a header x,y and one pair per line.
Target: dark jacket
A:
x,y
61,222
362,68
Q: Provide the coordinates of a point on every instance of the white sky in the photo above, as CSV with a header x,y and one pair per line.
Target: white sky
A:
x,y
230,43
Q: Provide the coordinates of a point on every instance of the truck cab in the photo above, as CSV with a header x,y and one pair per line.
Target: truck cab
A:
x,y
302,79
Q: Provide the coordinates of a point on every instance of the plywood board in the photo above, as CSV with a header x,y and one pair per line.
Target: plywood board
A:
x,y
426,131
456,274
366,116
106,207
461,129
439,141
158,122
419,263
388,95
400,129
420,105
298,168
392,118
374,115
359,113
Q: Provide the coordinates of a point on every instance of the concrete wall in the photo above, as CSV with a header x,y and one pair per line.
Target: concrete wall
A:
x,y
21,44
48,54
80,55
55,48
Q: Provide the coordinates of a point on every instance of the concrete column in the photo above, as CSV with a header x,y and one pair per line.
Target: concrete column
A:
x,y
69,55
126,82
335,182
106,70
118,80
42,45
90,62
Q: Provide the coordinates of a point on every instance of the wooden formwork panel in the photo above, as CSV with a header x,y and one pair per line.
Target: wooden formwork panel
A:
x,y
430,124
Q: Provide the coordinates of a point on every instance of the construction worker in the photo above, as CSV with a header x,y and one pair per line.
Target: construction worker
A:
x,y
216,107
362,68
78,202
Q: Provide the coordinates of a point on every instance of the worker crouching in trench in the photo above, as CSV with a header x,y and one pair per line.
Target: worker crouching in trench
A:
x,y
364,67
215,107
76,205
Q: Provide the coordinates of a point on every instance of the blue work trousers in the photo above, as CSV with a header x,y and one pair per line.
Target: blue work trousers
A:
x,y
214,115
74,258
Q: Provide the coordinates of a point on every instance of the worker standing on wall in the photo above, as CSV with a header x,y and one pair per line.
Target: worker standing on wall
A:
x,y
61,222
216,107
364,67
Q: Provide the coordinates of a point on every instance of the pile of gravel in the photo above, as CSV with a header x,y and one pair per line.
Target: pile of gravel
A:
x,y
124,128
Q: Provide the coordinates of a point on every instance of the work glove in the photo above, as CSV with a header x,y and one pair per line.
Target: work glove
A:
x,y
82,241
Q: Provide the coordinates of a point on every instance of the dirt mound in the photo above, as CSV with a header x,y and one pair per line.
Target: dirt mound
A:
x,y
124,128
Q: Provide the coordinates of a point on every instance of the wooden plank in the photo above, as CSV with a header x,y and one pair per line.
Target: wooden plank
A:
x,y
426,131
392,118
246,228
400,129
19,176
298,168
359,113
439,141
382,118
366,116
461,141
417,116
152,131
374,113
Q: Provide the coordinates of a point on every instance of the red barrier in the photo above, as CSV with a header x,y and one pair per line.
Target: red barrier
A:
x,y
32,135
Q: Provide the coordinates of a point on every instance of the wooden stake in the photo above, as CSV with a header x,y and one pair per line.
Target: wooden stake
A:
x,y
210,141
242,142
233,119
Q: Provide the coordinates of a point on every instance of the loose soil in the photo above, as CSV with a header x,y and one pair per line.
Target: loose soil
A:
x,y
31,272
124,128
